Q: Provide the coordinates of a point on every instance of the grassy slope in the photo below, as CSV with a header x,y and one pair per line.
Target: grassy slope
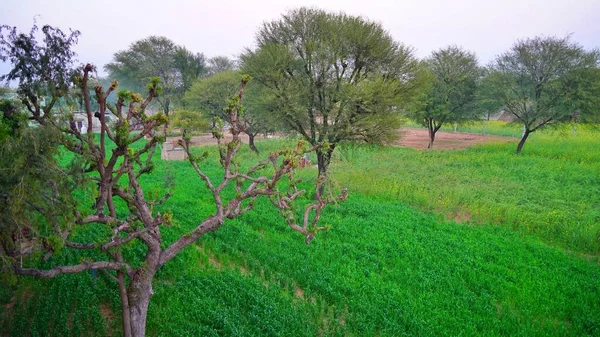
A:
x,y
384,269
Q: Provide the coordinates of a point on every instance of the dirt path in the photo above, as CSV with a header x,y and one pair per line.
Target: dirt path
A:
x,y
413,138
418,139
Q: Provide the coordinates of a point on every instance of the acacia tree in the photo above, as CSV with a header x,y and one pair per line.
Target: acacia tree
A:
x,y
209,95
543,81
450,93
336,77
114,160
157,56
219,64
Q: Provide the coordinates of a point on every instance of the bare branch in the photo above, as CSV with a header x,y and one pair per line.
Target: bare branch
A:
x,y
50,273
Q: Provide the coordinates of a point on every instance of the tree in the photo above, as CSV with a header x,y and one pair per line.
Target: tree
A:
x,y
211,93
219,64
114,160
210,96
190,66
448,97
157,56
336,77
543,81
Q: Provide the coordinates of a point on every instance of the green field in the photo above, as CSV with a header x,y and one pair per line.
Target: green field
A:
x,y
430,243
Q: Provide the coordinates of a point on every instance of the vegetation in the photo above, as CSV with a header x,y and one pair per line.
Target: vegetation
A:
x,y
130,249
551,193
157,56
460,242
449,94
209,96
383,269
336,77
545,80
219,64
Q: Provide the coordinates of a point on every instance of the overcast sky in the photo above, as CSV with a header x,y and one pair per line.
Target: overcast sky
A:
x,y
222,27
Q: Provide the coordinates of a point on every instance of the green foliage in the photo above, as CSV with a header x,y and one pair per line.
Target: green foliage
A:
x,y
157,59
333,75
385,269
43,68
448,95
209,95
550,193
545,80
189,121
215,94
35,190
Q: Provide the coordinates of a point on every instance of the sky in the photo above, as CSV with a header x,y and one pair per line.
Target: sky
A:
x,y
224,27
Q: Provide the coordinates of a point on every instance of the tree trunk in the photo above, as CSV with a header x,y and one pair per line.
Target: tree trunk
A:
x,y
323,160
522,142
139,298
166,110
432,132
251,142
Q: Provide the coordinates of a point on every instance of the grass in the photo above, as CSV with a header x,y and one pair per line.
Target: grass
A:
x,y
394,263
551,191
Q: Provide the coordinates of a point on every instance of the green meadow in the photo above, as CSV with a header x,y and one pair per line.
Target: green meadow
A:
x,y
475,242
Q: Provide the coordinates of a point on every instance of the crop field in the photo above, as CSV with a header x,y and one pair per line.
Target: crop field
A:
x,y
473,242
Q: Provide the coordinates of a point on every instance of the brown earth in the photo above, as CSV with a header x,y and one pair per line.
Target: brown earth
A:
x,y
419,138
410,137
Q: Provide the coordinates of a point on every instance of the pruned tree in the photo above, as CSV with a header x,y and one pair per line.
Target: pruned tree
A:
x,y
114,160
544,81
336,77
450,92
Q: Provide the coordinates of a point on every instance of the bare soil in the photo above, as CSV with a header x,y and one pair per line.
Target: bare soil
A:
x,y
419,138
409,137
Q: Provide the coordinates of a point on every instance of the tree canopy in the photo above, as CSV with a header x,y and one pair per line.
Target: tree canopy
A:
x,y
449,94
157,56
543,81
210,94
336,77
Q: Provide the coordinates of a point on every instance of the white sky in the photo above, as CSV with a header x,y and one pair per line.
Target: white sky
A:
x,y
222,27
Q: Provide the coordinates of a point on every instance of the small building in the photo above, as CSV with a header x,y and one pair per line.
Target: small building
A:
x,y
169,152
81,120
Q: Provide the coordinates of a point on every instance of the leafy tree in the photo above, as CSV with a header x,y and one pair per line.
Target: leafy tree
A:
x,y
189,121
219,64
157,56
336,77
543,81
210,96
129,247
5,90
450,93
191,67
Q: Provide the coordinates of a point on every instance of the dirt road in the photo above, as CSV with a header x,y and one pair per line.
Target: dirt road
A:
x,y
413,138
